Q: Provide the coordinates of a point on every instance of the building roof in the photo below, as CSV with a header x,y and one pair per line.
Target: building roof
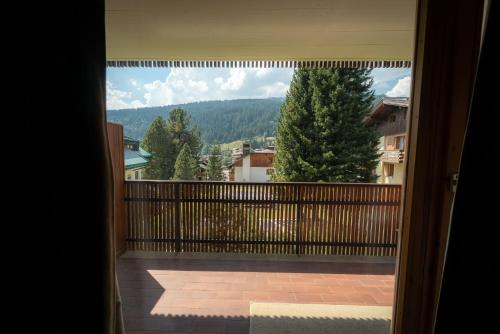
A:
x,y
130,140
395,101
134,159
383,106
239,151
144,153
263,150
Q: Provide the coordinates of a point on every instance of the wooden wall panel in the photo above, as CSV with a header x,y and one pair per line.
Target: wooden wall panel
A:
x,y
262,160
115,142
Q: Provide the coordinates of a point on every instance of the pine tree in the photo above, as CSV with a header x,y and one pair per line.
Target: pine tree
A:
x,y
321,132
158,142
297,153
214,166
185,165
179,126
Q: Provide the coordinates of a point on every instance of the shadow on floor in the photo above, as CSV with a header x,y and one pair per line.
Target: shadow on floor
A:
x,y
257,266
257,325
288,325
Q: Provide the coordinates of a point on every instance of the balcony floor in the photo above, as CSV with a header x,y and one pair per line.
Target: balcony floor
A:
x,y
190,295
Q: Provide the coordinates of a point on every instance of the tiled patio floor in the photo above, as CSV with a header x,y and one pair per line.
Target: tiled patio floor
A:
x,y
214,295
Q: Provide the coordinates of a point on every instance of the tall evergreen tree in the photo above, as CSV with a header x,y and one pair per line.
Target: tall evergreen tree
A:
x,y
297,152
182,132
214,166
158,142
185,165
321,132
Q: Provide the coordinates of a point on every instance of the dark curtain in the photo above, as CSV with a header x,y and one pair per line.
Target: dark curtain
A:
x,y
469,295
63,191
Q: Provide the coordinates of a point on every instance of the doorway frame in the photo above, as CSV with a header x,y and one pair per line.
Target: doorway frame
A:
x,y
447,44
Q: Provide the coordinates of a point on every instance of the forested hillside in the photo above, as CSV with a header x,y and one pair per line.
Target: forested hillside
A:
x,y
218,121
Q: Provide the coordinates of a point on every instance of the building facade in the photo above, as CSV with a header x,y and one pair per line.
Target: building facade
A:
x,y
389,117
136,159
252,165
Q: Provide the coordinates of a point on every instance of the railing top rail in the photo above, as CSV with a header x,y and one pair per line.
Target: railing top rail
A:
x,y
267,183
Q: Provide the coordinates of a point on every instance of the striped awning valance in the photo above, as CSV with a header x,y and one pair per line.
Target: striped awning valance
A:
x,y
261,63
260,33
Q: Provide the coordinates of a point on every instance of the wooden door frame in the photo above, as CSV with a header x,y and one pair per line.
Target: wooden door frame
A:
x,y
447,43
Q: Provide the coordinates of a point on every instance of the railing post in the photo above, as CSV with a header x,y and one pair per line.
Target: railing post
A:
x,y
177,216
298,216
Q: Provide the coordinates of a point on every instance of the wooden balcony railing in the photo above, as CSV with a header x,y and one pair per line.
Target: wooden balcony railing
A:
x,y
283,218
393,156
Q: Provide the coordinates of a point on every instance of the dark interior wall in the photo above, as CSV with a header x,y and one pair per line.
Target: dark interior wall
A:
x,y
470,289
62,171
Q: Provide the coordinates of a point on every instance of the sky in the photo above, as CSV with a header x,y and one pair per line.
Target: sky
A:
x,y
151,87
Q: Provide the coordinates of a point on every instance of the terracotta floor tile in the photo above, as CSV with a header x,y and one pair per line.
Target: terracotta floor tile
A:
x,y
335,298
214,296
305,297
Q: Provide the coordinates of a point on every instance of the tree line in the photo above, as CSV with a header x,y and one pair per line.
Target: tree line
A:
x,y
217,121
175,145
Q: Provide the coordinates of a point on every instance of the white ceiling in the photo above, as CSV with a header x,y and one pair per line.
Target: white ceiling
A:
x,y
260,29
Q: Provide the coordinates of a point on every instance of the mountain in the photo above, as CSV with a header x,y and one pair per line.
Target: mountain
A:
x,y
218,121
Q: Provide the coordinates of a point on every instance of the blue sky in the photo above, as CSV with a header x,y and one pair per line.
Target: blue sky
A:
x,y
149,87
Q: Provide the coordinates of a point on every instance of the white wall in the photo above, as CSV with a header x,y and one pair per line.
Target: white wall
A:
x,y
399,173
258,174
251,174
238,174
397,178
246,174
130,174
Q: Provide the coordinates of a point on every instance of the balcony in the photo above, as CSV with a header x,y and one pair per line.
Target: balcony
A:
x,y
266,218
200,255
392,156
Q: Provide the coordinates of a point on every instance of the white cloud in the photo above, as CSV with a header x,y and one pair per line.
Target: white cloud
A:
x,y
184,85
276,89
118,99
157,93
262,72
115,98
136,104
402,88
236,79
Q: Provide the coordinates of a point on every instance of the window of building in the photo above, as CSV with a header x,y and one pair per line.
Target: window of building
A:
x,y
400,142
137,175
392,118
388,170
270,171
390,142
129,177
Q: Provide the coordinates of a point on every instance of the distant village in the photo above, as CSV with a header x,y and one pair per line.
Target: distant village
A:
x,y
249,164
